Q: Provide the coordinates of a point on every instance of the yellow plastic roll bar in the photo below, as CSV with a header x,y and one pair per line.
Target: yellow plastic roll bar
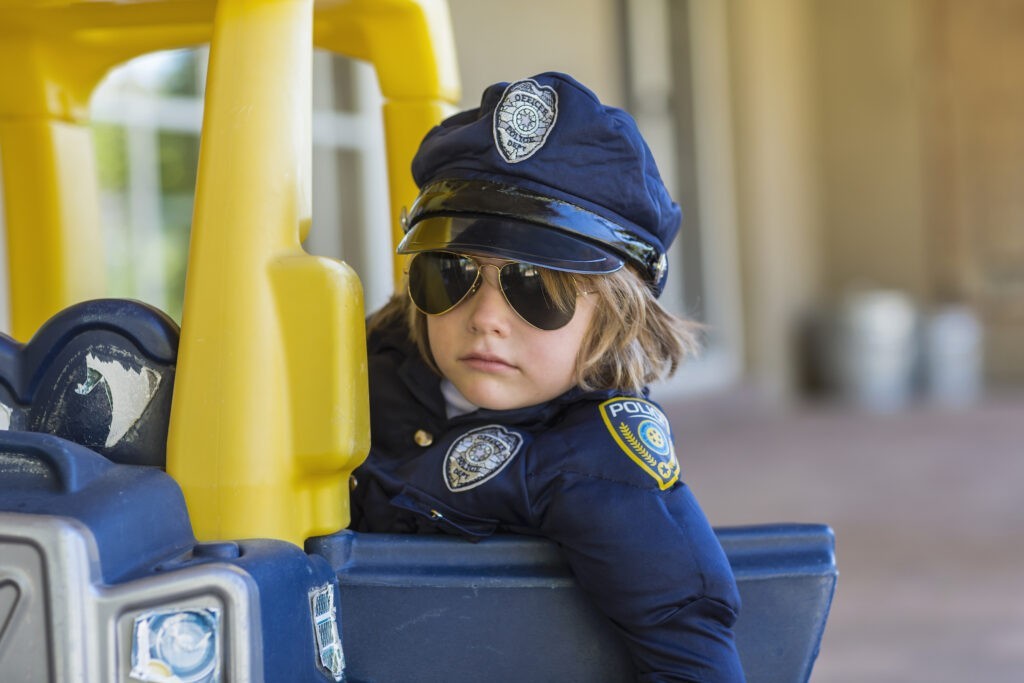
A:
x,y
270,407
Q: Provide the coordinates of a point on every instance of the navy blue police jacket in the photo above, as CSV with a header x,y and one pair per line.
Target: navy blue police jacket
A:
x,y
594,471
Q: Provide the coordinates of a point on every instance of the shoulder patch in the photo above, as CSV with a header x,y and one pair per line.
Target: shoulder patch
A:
x,y
523,118
642,431
478,455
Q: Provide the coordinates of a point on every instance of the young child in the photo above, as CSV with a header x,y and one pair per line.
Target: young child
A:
x,y
508,383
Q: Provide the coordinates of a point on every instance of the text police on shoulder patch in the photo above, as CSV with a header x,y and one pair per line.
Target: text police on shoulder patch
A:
x,y
642,432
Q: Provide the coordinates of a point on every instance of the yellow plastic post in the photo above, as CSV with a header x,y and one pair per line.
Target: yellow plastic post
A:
x,y
54,245
405,124
270,409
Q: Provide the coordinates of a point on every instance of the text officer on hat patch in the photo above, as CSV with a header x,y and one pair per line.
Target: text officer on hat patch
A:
x,y
642,431
523,118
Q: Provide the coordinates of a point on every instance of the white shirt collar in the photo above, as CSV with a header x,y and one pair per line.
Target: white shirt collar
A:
x,y
455,403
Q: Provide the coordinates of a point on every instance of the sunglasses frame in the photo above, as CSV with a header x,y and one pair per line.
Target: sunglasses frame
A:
x,y
477,282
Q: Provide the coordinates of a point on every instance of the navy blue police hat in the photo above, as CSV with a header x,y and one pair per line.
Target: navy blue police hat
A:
x,y
542,172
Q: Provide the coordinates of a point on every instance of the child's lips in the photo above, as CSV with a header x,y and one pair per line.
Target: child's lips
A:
x,y
487,362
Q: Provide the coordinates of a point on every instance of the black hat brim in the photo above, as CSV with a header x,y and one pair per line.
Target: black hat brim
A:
x,y
509,239
582,240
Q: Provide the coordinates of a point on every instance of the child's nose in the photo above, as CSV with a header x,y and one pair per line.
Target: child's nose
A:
x,y
490,312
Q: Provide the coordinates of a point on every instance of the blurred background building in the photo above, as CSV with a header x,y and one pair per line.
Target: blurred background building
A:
x,y
852,179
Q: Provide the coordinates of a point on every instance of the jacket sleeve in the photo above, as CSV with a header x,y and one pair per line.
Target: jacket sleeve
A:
x,y
651,562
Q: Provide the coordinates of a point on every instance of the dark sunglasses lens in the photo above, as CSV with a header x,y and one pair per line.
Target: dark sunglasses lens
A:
x,y
523,286
439,280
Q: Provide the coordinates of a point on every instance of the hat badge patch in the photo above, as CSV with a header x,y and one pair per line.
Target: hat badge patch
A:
x,y
479,455
523,119
641,430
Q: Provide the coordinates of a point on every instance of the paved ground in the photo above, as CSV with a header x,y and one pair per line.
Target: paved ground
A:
x,y
928,510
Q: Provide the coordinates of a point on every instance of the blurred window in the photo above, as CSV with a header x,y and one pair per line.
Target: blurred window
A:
x,y
677,89
146,122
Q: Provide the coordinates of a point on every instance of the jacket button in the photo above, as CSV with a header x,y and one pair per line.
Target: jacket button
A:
x,y
423,438
352,482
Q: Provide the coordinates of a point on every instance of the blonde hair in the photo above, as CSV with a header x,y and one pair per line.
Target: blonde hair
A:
x,y
632,340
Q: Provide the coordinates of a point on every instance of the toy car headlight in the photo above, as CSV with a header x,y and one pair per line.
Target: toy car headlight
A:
x,y
177,645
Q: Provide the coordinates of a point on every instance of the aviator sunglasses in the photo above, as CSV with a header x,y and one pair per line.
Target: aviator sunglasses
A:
x,y
441,280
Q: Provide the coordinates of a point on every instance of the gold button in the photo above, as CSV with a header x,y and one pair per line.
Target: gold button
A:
x,y
423,438
352,482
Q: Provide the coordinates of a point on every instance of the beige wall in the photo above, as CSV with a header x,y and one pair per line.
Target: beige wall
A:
x,y
868,91
776,182
503,41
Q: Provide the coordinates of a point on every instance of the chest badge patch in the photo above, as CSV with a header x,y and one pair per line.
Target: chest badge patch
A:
x,y
478,455
642,431
523,118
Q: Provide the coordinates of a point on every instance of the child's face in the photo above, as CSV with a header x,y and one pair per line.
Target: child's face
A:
x,y
499,361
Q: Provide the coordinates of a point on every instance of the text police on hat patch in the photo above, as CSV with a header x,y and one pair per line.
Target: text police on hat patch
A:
x,y
478,455
523,118
642,431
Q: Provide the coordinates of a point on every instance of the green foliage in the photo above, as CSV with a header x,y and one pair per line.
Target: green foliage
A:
x,y
111,160
182,77
179,161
